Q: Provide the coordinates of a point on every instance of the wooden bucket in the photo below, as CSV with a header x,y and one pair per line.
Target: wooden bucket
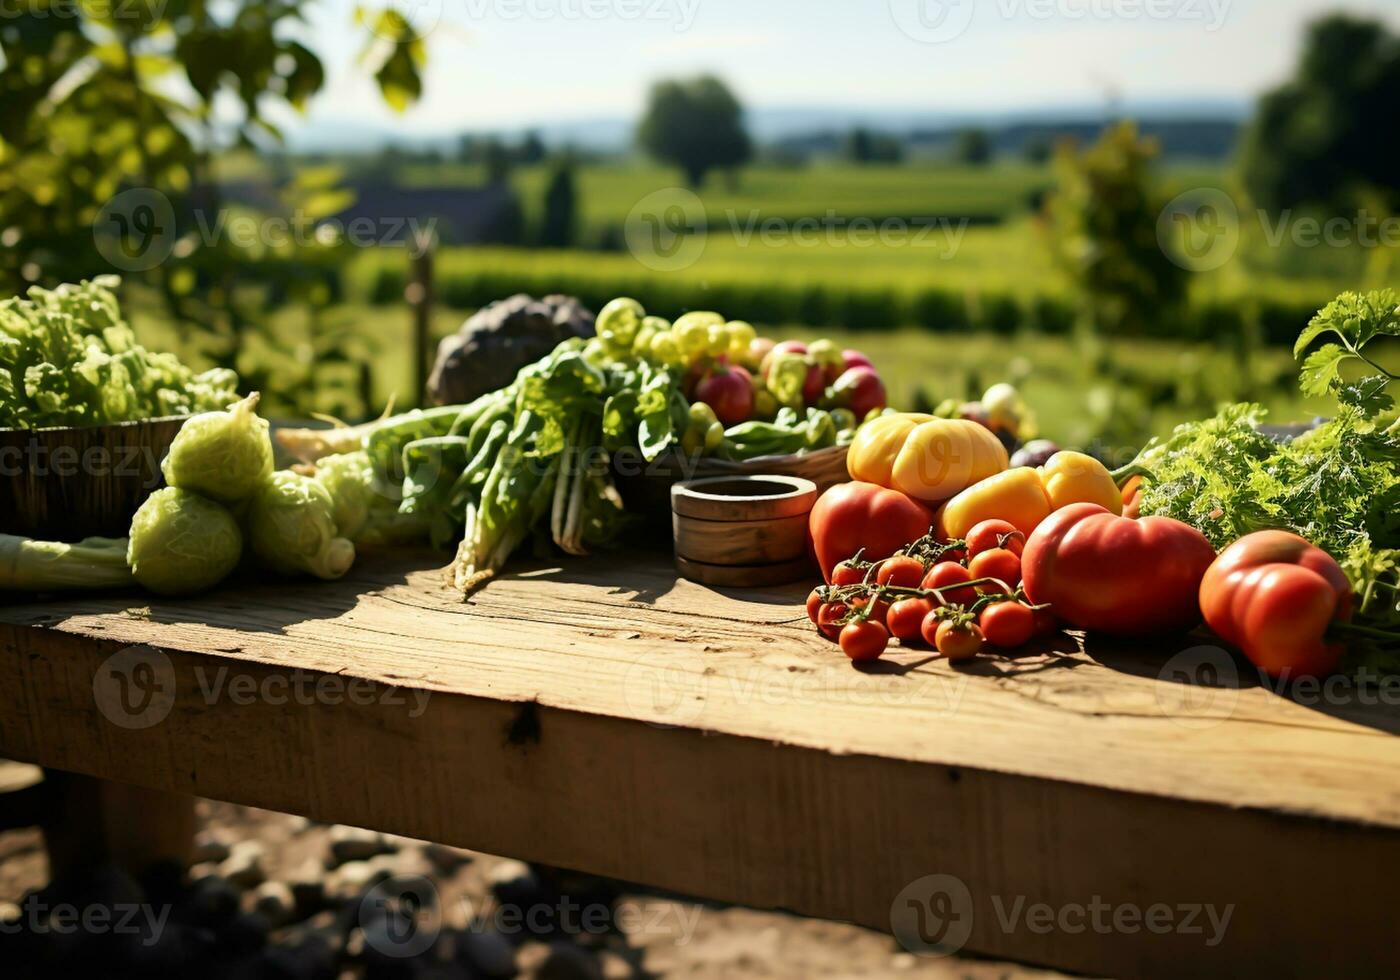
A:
x,y
71,483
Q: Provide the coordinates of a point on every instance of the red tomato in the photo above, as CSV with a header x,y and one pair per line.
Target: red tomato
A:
x,y
994,533
1273,595
1007,624
928,628
957,642
846,573
851,516
947,573
1116,574
728,389
814,604
1046,622
906,617
999,563
828,617
864,640
900,570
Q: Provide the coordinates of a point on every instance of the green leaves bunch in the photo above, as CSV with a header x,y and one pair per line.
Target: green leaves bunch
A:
x,y
1337,485
68,358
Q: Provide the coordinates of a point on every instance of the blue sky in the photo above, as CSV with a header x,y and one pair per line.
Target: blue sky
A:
x,y
511,63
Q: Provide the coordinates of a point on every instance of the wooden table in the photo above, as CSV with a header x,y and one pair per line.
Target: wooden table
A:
x,y
1072,806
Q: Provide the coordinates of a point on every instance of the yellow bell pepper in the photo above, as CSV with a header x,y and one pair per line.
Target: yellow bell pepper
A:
x,y
927,458
1016,495
1074,478
1025,496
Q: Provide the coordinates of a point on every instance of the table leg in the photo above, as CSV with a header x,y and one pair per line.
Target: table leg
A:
x,y
90,821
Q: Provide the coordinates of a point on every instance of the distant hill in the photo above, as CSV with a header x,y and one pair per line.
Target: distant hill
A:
x,y
1195,128
1206,139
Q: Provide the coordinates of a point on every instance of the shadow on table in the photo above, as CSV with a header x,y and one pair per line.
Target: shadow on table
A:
x,y
647,576
1209,677
249,601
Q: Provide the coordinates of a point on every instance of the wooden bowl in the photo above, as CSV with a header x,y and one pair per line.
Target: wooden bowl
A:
x,y
72,483
742,530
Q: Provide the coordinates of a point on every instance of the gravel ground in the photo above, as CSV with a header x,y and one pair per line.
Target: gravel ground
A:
x,y
272,895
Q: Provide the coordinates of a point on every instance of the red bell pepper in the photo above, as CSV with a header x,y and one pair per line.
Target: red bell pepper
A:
x,y
1103,572
1273,595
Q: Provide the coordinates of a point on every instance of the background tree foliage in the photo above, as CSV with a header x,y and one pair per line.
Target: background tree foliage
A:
x,y
1102,217
973,147
108,127
697,125
1329,136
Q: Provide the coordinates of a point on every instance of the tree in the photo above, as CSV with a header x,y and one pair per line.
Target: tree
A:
x,y
1328,137
697,125
863,146
557,227
1103,217
495,158
972,147
1037,151
107,131
532,149
860,146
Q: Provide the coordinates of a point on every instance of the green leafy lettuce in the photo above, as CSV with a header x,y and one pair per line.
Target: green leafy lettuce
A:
x,y
68,358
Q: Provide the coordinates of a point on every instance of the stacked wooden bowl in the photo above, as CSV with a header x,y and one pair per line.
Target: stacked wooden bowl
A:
x,y
742,531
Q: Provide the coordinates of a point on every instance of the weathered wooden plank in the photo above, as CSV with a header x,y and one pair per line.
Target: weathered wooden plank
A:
x,y
608,717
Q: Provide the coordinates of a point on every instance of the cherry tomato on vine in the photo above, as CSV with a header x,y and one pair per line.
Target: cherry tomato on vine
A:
x,y
847,573
999,563
994,533
828,619
864,640
900,570
1007,624
878,611
947,573
814,604
907,616
957,641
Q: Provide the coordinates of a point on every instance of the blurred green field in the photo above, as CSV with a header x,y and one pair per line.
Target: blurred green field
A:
x,y
607,192
973,253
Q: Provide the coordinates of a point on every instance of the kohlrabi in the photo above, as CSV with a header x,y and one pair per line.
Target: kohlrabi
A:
x,y
182,543
225,455
291,520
